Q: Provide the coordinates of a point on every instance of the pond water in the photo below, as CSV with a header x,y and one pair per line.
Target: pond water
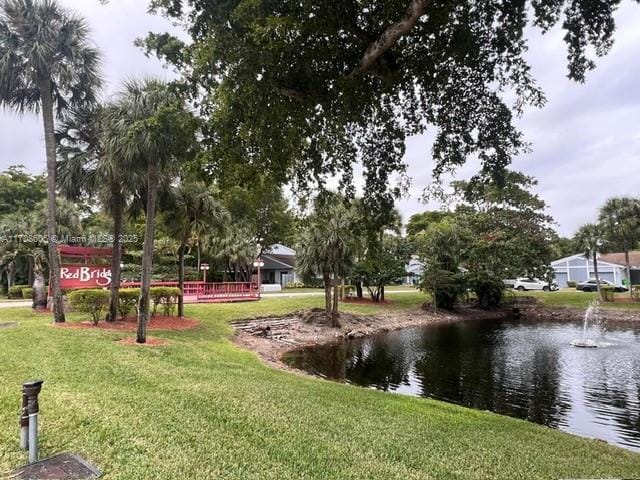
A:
x,y
525,370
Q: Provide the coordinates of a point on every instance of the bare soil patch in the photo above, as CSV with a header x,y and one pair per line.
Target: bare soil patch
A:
x,y
129,324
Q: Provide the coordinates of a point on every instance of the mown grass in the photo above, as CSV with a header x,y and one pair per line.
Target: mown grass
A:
x,y
201,408
576,299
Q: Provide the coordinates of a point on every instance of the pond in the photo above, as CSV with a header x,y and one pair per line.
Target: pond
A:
x,y
516,368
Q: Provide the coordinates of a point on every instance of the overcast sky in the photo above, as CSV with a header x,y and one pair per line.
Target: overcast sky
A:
x,y
586,141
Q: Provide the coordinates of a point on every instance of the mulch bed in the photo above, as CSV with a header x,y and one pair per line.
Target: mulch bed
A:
x,y
130,324
151,342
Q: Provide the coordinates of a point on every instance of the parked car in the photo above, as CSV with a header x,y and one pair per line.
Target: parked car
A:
x,y
592,286
528,283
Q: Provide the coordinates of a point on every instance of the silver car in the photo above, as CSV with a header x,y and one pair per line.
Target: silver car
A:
x,y
592,286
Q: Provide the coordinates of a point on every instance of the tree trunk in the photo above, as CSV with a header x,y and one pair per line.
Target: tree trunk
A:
x,y
595,271
39,291
335,322
147,251
11,275
327,294
30,278
181,280
359,289
50,144
382,293
626,262
116,253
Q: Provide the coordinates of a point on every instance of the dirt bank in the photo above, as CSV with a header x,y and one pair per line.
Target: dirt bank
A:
x,y
271,337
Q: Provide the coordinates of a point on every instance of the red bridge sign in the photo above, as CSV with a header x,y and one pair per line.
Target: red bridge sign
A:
x,y
85,276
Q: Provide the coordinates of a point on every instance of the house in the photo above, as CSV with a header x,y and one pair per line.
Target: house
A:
x,y
414,269
279,266
611,267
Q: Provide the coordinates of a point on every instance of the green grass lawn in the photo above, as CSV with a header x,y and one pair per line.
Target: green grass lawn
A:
x,y
201,408
574,298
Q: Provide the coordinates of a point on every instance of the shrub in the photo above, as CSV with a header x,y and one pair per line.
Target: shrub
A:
x,y
167,297
91,301
16,291
571,284
608,293
635,293
27,293
347,291
128,301
487,287
294,285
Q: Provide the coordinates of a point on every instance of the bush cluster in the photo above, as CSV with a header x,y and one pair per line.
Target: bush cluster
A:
x,y
608,293
91,301
295,285
571,284
27,293
164,297
16,291
128,301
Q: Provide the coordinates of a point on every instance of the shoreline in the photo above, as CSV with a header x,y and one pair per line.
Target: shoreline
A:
x,y
273,337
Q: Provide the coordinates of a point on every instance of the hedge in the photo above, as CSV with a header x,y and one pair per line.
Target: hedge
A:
x,y
16,291
608,293
91,301
27,293
571,284
167,297
128,301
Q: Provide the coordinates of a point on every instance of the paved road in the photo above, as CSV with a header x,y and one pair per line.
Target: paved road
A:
x,y
26,303
319,294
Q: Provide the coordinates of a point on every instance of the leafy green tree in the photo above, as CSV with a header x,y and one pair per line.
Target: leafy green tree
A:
x,y
328,249
47,63
382,264
590,239
419,222
20,191
189,210
153,130
87,170
303,89
442,247
620,220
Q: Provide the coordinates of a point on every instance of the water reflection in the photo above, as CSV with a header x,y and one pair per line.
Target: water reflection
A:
x,y
524,370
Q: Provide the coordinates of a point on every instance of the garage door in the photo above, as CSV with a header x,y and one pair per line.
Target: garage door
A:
x,y
561,279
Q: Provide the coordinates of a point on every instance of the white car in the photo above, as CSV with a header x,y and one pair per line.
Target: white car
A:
x,y
527,283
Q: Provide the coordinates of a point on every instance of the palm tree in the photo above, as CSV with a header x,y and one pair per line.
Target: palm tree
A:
x,y
190,209
46,63
328,250
620,218
589,239
153,130
85,169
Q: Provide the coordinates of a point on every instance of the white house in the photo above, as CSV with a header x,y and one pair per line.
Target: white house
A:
x,y
279,265
577,268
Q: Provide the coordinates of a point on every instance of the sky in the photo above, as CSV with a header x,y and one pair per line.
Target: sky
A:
x,y
585,141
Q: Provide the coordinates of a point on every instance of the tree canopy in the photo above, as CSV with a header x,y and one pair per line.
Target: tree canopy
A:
x,y
303,89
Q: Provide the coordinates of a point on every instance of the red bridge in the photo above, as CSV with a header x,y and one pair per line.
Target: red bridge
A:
x,y
201,292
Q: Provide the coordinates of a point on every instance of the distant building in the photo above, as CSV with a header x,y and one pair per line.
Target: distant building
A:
x,y
279,265
414,271
611,267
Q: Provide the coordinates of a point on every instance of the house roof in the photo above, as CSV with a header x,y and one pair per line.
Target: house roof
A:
x,y
280,255
601,260
618,258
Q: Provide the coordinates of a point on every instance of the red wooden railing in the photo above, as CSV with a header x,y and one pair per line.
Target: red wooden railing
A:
x,y
200,291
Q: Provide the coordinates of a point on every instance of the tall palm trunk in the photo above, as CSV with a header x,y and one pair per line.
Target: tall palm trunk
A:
x,y
39,290
50,144
336,298
327,294
181,279
30,271
595,271
147,251
116,252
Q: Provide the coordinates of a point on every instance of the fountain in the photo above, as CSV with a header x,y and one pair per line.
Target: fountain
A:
x,y
585,342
